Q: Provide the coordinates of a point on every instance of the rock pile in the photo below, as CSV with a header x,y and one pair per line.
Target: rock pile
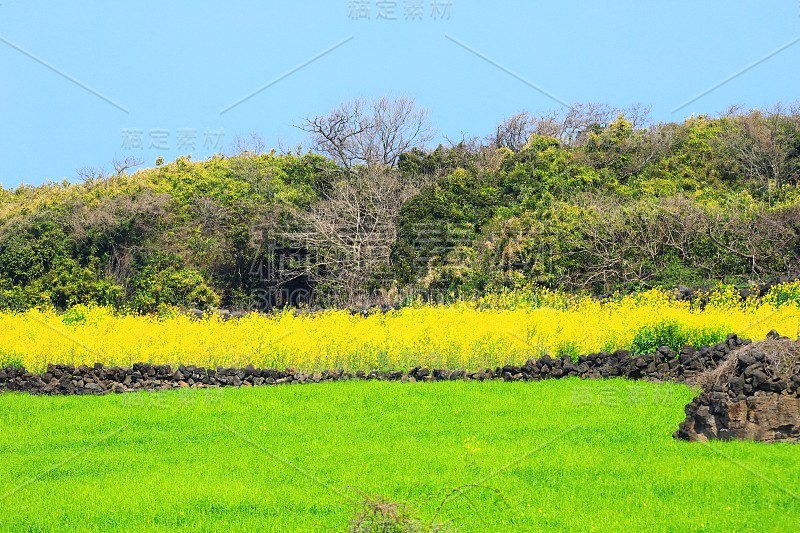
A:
x,y
754,394
664,365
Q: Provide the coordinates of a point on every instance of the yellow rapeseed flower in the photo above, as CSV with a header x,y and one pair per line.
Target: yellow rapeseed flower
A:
x,y
472,335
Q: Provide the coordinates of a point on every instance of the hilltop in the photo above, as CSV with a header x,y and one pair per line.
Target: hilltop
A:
x,y
594,200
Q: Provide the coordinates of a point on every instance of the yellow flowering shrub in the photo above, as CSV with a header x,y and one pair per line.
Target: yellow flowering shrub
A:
x,y
469,335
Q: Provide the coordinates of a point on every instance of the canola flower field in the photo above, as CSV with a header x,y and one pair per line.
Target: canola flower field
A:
x,y
487,332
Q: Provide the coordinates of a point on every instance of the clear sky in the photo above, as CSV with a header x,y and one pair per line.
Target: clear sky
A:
x,y
85,82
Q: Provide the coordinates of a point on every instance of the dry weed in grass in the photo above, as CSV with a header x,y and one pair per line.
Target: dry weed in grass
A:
x,y
379,514
781,358
384,515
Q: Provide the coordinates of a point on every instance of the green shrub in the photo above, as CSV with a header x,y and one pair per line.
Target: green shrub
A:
x,y
784,293
71,284
157,288
10,359
650,337
75,315
570,348
706,336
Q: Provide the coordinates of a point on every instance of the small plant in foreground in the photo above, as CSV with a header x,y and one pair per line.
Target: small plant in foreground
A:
x,y
382,515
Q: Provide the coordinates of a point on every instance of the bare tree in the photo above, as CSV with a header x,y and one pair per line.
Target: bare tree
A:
x,y
571,126
130,219
352,229
251,144
89,174
760,237
581,117
638,114
122,165
760,146
513,132
369,133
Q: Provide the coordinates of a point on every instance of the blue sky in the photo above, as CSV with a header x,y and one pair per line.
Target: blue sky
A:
x,y
85,82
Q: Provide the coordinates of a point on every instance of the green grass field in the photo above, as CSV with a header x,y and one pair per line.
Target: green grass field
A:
x,y
555,455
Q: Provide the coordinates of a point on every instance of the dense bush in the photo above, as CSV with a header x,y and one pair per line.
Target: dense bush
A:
x,y
591,200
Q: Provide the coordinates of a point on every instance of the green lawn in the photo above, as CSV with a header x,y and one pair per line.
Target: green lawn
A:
x,y
555,455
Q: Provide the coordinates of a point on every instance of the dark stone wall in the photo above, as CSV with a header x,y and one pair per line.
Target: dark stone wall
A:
x,y
752,403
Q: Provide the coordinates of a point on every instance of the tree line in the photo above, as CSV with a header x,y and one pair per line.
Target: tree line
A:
x,y
590,198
